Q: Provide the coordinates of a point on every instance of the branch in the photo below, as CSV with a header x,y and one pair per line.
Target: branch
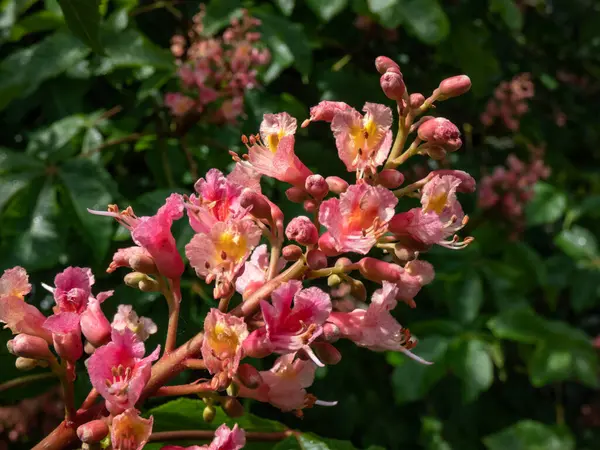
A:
x,y
21,381
172,293
184,389
208,435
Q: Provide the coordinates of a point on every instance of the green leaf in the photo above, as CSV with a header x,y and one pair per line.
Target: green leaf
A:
x,y
87,186
380,6
509,12
288,44
530,435
411,380
589,206
23,71
83,19
577,242
35,23
327,10
310,441
286,6
131,49
465,307
584,289
550,364
472,363
30,231
547,206
17,170
218,14
49,143
92,139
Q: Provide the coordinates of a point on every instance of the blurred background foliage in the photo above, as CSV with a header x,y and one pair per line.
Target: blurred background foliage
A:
x,y
509,321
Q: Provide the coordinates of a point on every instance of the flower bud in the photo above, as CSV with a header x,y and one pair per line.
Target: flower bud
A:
x,y
27,346
316,259
256,345
331,332
336,185
291,253
358,290
327,244
149,285
416,100
232,407
435,152
209,413
454,86
316,186
259,207
296,195
233,389
384,64
92,432
343,262
392,85
310,206
327,353
26,364
249,376
333,280
376,270
391,178
94,324
133,279
442,132
143,263
302,230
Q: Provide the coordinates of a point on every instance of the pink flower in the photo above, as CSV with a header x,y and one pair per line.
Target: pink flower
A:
x,y
225,439
14,283
416,274
224,335
153,233
66,335
359,217
220,254
217,201
439,196
363,142
129,431
126,318
284,385
288,328
273,155
179,104
119,371
255,271
375,328
73,289
325,111
94,324
134,257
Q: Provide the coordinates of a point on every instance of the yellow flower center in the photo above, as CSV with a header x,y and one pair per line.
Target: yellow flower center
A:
x,y
223,339
231,247
273,140
437,202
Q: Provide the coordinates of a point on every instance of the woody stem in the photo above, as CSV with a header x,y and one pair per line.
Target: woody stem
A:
x,y
172,293
68,392
184,389
275,254
208,435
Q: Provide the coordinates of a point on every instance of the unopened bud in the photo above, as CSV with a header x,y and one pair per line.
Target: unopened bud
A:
x,y
92,432
441,132
149,285
337,185
435,152
291,252
133,279
232,407
384,64
343,262
143,263
331,332
416,100
28,346
333,280
358,290
26,364
391,178
302,230
249,376
316,259
454,86
259,207
392,85
310,206
209,413
377,270
316,186
296,195
233,389
327,353
94,324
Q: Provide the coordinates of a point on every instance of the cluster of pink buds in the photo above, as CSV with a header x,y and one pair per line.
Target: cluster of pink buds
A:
x,y
509,102
243,244
216,71
508,189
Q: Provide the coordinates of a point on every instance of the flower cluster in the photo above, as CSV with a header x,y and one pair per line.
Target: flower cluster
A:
x,y
509,102
216,71
508,189
242,244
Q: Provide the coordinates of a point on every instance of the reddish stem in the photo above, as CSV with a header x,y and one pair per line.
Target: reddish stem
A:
x,y
207,435
184,389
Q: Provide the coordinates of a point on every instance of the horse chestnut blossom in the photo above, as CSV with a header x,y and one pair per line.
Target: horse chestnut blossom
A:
x,y
242,243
